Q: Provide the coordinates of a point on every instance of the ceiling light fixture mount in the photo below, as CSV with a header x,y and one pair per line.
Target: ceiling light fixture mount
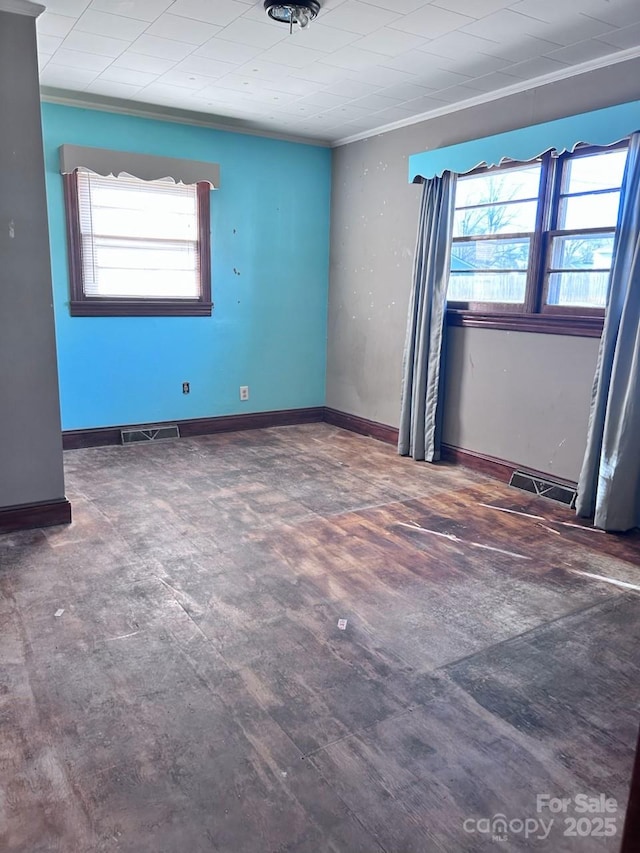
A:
x,y
293,13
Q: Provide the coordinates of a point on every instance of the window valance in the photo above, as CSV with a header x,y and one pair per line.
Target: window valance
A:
x,y
599,127
103,161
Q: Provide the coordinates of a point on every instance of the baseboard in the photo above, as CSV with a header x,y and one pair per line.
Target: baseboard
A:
x,y
362,426
102,436
26,516
492,466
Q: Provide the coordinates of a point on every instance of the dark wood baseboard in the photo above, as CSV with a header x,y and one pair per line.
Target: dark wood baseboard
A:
x,y
26,516
499,469
102,436
362,426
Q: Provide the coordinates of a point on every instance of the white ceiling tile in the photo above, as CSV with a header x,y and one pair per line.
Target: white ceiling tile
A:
x,y
621,13
80,59
359,17
184,79
227,51
126,75
183,29
624,38
140,62
48,44
578,28
523,47
473,8
253,33
407,91
507,24
456,93
458,45
347,112
320,73
62,77
325,100
289,54
115,26
319,37
50,24
207,67
143,10
74,8
493,82
362,64
536,67
380,77
220,12
352,58
477,65
401,7
582,52
415,62
91,43
291,85
352,89
440,79
390,42
393,114
375,103
266,72
424,104
431,22
162,48
111,89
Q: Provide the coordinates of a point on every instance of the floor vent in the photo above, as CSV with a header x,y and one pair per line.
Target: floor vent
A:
x,y
150,433
544,488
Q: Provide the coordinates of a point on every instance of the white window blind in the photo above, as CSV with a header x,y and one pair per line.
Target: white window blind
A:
x,y
139,238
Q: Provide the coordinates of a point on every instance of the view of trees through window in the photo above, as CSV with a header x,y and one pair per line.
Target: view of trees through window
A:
x,y
498,212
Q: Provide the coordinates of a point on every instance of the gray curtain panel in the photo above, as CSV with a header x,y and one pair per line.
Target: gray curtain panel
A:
x,y
422,371
609,485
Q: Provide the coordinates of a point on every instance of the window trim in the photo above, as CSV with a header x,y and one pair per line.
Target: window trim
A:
x,y
535,315
81,305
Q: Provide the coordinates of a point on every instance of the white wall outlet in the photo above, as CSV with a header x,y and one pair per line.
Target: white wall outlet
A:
x,y
244,392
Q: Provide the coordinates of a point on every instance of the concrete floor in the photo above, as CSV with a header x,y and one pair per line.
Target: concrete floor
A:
x,y
173,677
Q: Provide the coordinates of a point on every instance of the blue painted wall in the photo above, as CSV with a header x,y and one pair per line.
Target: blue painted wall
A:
x,y
269,222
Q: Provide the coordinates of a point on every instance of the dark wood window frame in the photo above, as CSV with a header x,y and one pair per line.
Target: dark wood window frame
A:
x,y
98,306
535,315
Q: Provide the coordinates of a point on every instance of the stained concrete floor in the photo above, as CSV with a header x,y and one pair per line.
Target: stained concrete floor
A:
x,y
173,678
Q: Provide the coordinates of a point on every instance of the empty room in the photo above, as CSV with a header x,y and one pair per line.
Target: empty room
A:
x,y
319,426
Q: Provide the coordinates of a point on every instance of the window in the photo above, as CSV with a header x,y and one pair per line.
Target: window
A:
x,y
137,247
532,243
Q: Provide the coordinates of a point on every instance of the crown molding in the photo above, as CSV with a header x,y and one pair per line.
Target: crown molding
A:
x,y
22,7
496,95
85,100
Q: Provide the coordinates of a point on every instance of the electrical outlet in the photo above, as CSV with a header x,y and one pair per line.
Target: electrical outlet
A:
x,y
186,388
244,392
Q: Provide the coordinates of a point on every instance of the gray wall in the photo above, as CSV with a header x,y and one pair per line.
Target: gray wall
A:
x,y
519,396
30,439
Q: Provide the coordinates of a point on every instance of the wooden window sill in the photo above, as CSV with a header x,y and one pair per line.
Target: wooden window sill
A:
x,y
139,308
545,324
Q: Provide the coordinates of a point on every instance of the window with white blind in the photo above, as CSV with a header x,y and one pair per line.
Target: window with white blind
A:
x,y
138,247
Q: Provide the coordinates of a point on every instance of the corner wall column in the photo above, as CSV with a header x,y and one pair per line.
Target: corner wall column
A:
x,y
31,471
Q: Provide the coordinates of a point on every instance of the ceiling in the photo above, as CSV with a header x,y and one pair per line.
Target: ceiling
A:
x,y
360,66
